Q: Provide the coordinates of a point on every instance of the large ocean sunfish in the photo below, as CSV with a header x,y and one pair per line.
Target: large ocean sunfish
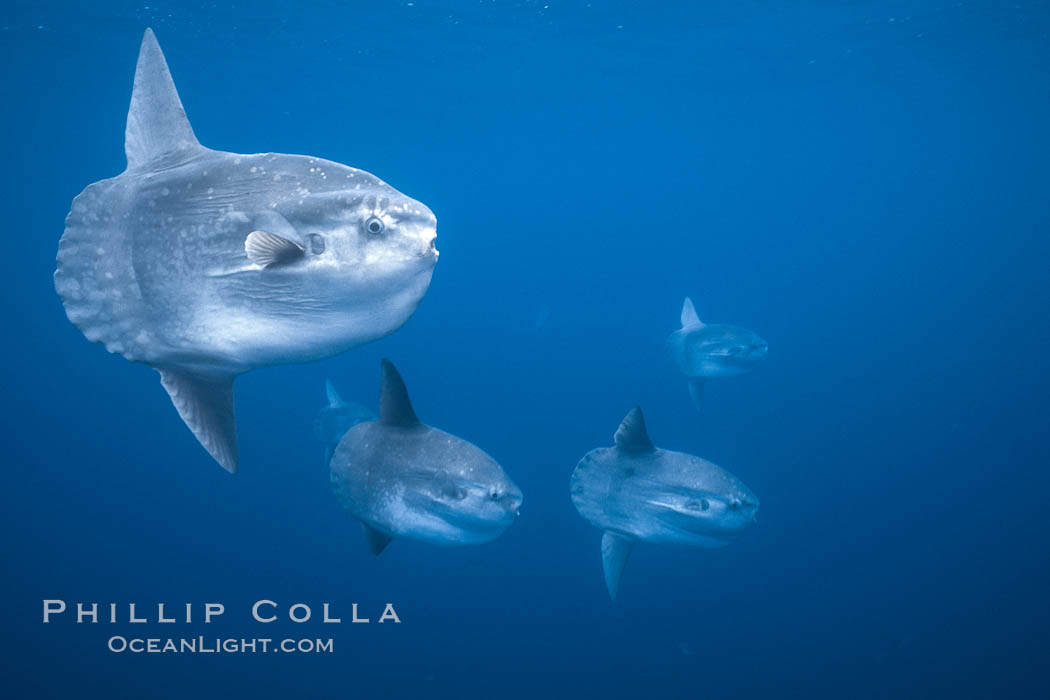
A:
x,y
636,492
205,265
703,351
402,478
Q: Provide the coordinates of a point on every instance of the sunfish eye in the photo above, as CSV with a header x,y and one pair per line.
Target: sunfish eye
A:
x,y
704,505
494,495
374,225
316,241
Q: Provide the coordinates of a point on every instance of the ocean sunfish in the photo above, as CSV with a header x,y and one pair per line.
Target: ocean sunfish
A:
x,y
336,418
636,492
402,478
205,265
703,351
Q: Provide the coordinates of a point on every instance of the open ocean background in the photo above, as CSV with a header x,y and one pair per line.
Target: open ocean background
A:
x,y
865,184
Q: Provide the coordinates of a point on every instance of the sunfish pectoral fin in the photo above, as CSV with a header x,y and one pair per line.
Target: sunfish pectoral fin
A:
x,y
157,131
696,391
445,485
375,539
206,406
265,248
615,550
689,317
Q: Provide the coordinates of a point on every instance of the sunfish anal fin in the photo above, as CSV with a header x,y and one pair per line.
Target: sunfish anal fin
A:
x,y
206,406
375,539
689,317
158,132
265,248
615,550
394,405
631,435
696,391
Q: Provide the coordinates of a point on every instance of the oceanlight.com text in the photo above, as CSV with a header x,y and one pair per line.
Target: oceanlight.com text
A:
x,y
218,645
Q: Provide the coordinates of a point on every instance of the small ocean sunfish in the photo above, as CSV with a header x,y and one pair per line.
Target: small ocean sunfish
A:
x,y
637,492
402,478
703,351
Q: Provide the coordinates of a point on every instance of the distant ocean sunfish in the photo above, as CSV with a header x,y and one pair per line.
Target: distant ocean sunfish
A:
x,y
637,492
707,351
205,265
336,418
402,478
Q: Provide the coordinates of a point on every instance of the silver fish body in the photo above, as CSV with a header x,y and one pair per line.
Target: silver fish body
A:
x,y
636,492
204,264
402,478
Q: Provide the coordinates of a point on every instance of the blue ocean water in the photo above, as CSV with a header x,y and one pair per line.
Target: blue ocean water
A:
x,y
863,183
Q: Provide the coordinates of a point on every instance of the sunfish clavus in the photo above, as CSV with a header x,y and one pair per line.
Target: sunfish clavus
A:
x,y
205,265
402,478
703,351
636,492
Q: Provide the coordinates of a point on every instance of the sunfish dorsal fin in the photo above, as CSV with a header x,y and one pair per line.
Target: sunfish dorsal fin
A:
x,y
375,539
615,550
157,129
689,317
206,406
331,394
631,435
394,406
